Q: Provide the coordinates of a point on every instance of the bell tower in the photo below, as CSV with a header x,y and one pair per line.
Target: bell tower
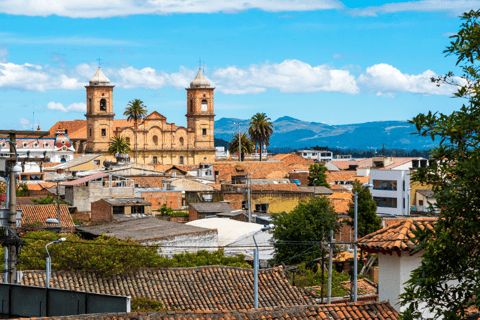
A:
x,y
200,116
99,113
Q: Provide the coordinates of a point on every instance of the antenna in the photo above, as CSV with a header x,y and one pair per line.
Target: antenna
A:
x,y
99,61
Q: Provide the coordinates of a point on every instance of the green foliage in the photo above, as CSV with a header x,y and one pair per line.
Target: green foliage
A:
x,y
118,144
308,278
135,111
261,128
310,221
317,171
142,304
22,190
450,250
165,211
368,221
247,144
47,200
108,256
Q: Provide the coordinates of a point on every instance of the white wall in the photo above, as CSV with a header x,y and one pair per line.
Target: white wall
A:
x,y
193,242
393,175
389,278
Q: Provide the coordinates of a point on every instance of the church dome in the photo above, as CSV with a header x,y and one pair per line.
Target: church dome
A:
x,y
200,81
99,79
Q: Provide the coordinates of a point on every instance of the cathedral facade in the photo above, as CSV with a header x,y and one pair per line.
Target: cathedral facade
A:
x,y
158,142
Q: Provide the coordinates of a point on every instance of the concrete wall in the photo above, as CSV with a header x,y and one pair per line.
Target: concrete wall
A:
x,y
82,196
279,201
389,280
193,242
392,175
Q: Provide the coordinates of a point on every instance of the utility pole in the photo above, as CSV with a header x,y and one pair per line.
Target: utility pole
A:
x,y
249,204
12,209
58,204
330,262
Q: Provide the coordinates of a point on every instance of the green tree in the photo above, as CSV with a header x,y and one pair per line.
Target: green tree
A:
x,y
450,251
317,171
368,221
22,190
118,144
261,128
247,145
298,233
47,200
135,111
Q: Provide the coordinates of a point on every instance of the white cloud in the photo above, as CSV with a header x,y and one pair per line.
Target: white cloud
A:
x,y
290,76
74,107
455,7
24,123
387,80
3,53
112,8
34,78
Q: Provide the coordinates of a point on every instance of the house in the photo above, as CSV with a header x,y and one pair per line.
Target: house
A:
x,y
184,184
318,155
170,237
423,199
158,197
396,256
319,191
106,209
202,210
358,310
37,215
188,289
82,192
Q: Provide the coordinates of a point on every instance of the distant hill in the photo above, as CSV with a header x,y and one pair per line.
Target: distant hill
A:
x,y
293,133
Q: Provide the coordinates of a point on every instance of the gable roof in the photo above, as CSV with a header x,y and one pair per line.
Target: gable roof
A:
x,y
357,310
154,115
257,169
290,159
40,213
426,193
211,207
200,288
84,179
396,238
142,229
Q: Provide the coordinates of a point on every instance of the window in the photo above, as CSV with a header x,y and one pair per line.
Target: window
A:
x,y
385,185
36,177
63,159
420,202
181,141
403,185
90,105
155,140
90,132
181,160
96,162
45,145
154,159
191,105
103,105
24,177
204,132
138,209
204,105
385,202
104,132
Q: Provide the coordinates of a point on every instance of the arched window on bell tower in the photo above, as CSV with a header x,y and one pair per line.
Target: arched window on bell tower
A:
x,y
103,105
191,106
204,105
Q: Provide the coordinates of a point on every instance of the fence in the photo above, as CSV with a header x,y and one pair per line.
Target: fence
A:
x,y
26,301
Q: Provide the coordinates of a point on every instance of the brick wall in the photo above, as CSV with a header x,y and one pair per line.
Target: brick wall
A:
x,y
301,176
173,200
101,211
345,233
152,181
81,216
235,199
192,214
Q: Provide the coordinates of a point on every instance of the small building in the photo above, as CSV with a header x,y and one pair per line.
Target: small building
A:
x,y
184,184
158,197
37,215
423,199
107,209
82,192
319,155
202,210
171,237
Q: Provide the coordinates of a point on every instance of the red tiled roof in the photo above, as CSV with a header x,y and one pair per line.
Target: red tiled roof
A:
x,y
26,201
39,186
290,159
338,311
85,179
344,164
40,213
257,169
398,237
279,187
299,167
200,288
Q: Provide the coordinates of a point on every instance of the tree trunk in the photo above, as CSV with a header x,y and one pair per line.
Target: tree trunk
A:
x,y
261,151
136,136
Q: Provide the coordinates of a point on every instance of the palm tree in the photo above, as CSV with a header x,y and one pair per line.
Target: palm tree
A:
x,y
260,130
118,144
247,145
135,110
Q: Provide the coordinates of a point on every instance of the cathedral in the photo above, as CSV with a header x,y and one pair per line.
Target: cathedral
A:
x,y
158,141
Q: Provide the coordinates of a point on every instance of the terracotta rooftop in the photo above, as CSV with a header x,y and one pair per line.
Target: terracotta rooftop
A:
x,y
396,238
257,169
40,213
357,311
200,288
290,159
39,186
278,187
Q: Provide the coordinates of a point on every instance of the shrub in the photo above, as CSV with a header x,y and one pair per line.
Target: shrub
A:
x,y
141,304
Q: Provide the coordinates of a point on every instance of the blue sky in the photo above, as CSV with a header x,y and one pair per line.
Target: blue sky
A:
x,y
323,60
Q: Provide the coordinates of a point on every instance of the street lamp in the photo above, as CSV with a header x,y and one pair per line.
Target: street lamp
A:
x,y
355,262
255,268
49,260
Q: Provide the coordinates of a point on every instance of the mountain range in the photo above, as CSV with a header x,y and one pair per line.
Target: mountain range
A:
x,y
292,133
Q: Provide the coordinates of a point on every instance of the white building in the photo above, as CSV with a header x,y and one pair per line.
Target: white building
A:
x,y
390,178
316,155
58,149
